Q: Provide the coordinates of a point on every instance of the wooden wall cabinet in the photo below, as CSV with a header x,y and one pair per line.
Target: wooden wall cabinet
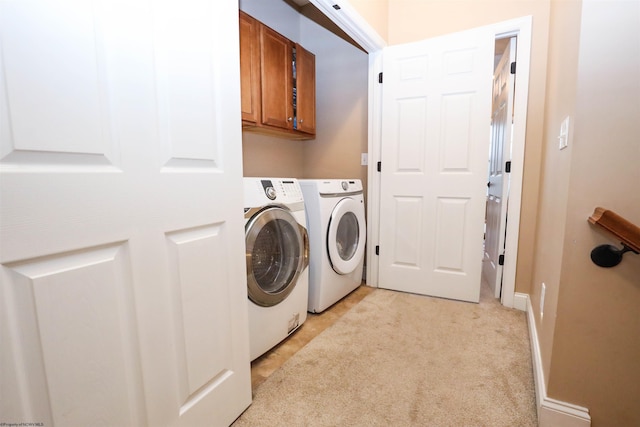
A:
x,y
277,82
306,90
249,68
276,79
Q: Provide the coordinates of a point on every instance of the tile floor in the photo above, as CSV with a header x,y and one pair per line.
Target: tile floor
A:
x,y
266,364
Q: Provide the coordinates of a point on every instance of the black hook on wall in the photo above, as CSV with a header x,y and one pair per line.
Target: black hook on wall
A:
x,y
608,255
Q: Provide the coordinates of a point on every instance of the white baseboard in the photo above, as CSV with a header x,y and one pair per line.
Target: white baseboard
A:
x,y
520,301
551,412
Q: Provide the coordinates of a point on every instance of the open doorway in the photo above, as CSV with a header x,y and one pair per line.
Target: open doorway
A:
x,y
499,163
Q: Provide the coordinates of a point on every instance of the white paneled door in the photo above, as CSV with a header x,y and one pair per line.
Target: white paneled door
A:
x,y
435,146
123,293
498,182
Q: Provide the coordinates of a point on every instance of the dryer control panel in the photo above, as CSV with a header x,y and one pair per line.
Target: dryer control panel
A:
x,y
337,187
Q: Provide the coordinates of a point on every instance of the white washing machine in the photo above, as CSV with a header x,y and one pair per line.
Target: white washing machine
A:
x,y
337,236
277,255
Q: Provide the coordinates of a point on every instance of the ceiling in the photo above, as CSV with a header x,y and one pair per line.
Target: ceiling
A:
x,y
307,9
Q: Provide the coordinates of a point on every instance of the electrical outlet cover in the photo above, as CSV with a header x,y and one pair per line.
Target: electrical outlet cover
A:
x,y
563,138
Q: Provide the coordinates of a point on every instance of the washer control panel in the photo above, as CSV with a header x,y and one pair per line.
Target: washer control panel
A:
x,y
282,190
269,191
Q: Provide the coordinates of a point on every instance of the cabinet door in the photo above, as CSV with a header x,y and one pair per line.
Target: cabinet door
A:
x,y
276,55
306,90
250,68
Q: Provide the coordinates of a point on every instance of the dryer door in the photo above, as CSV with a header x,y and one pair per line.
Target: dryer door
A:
x,y
346,236
275,255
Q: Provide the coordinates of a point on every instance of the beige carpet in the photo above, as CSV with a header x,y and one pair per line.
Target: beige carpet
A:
x,y
399,359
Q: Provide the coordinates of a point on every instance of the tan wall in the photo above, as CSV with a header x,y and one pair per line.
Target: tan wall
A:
x,y
596,345
412,20
554,188
376,13
271,156
342,109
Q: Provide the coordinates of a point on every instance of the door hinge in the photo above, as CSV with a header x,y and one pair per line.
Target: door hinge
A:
x,y
507,167
379,77
501,260
513,68
379,166
377,250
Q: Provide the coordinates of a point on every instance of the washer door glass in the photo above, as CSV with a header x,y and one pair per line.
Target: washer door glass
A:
x,y
274,255
346,236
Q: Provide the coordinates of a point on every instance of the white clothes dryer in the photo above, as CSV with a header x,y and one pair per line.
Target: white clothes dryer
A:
x,y
337,235
277,257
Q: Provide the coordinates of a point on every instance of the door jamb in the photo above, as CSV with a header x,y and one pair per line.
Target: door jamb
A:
x,y
353,24
521,29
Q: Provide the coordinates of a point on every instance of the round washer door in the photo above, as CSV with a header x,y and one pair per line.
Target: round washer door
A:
x,y
275,249
346,236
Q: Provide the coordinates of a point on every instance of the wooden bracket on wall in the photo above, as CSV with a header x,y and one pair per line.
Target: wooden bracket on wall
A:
x,y
627,232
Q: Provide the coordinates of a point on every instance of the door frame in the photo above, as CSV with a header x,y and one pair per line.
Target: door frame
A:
x,y
350,21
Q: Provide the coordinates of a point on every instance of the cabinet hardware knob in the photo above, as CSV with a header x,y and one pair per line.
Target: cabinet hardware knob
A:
x,y
301,120
289,119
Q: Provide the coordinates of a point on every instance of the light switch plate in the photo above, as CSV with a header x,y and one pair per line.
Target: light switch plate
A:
x,y
364,159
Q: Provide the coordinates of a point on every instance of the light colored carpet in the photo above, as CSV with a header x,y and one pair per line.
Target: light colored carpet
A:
x,y
399,359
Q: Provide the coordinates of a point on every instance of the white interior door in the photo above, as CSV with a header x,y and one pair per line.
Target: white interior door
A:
x,y
498,182
123,297
436,109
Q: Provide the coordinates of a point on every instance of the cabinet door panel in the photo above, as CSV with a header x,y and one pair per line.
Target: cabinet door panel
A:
x,y
250,68
306,90
276,73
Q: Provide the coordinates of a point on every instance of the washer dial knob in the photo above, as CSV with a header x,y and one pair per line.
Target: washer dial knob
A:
x,y
270,192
